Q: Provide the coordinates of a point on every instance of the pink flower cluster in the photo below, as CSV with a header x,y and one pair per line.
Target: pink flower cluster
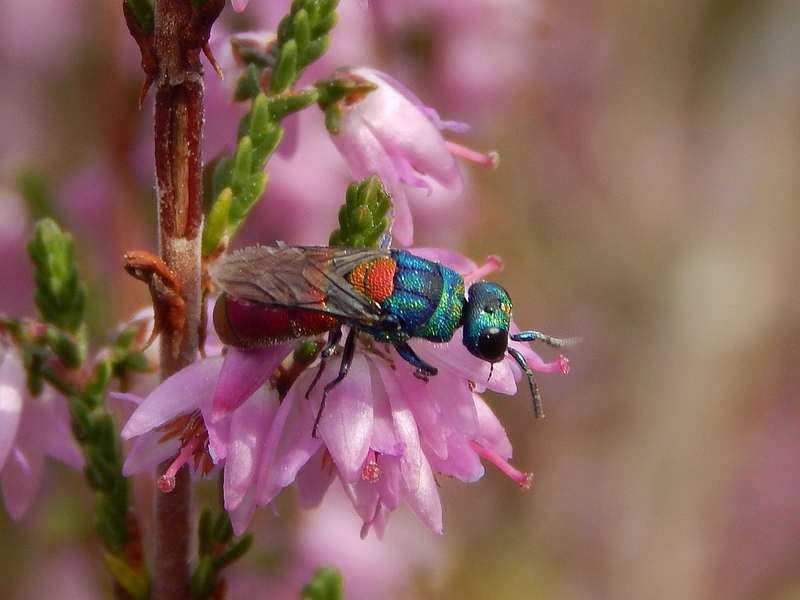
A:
x,y
391,134
30,429
384,433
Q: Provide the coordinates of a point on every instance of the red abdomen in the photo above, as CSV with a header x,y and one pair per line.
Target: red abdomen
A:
x,y
251,325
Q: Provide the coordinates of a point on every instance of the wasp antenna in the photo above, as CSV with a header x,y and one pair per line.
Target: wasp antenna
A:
x,y
536,336
537,399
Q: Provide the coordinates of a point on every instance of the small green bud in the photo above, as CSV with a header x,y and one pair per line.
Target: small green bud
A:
x,y
204,578
326,584
234,552
65,348
242,165
59,294
362,219
285,71
249,84
302,29
282,106
134,583
216,224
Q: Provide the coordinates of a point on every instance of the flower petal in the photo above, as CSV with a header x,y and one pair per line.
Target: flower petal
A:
x,y
288,447
243,513
54,422
425,502
249,425
20,478
384,437
346,423
492,434
12,396
186,390
314,479
148,452
407,433
243,371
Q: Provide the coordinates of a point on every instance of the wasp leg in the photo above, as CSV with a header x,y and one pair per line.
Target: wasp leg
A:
x,y
347,360
424,370
537,399
382,354
334,336
327,350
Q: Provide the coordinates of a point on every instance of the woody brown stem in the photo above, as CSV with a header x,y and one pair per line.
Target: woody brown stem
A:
x,y
171,60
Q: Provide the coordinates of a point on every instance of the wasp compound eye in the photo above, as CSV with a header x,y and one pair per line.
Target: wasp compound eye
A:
x,y
492,344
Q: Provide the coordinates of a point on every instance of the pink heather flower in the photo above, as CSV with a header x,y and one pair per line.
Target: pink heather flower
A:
x,y
262,441
384,433
239,5
30,429
388,132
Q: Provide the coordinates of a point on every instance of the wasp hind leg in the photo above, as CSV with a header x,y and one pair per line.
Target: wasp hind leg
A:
x,y
423,369
327,350
347,360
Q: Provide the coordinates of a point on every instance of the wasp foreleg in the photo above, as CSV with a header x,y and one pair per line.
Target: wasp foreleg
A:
x,y
347,360
423,369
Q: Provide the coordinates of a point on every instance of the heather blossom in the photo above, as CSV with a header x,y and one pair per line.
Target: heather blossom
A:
x,y
239,5
388,132
30,429
384,433
373,418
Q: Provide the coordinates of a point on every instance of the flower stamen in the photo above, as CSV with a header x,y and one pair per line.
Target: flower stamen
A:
x,y
191,430
493,263
491,159
522,479
371,471
166,483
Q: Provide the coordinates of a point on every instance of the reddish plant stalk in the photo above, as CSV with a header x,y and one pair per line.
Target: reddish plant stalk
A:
x,y
171,61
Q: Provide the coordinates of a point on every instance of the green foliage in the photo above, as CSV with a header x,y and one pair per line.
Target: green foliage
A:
x,y
95,431
217,548
326,584
268,82
54,352
335,89
132,581
59,294
239,181
35,190
363,218
302,39
144,14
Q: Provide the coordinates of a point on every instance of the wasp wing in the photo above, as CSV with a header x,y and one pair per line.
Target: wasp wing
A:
x,y
303,277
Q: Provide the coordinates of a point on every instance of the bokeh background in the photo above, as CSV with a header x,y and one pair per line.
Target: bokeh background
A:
x,y
646,201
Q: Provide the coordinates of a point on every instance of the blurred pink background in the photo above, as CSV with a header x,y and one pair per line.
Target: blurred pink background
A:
x,y
646,201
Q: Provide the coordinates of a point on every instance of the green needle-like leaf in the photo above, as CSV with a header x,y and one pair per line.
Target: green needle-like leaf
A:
x,y
59,294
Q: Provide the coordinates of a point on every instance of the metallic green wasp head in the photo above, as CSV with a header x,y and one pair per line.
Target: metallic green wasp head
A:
x,y
487,314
